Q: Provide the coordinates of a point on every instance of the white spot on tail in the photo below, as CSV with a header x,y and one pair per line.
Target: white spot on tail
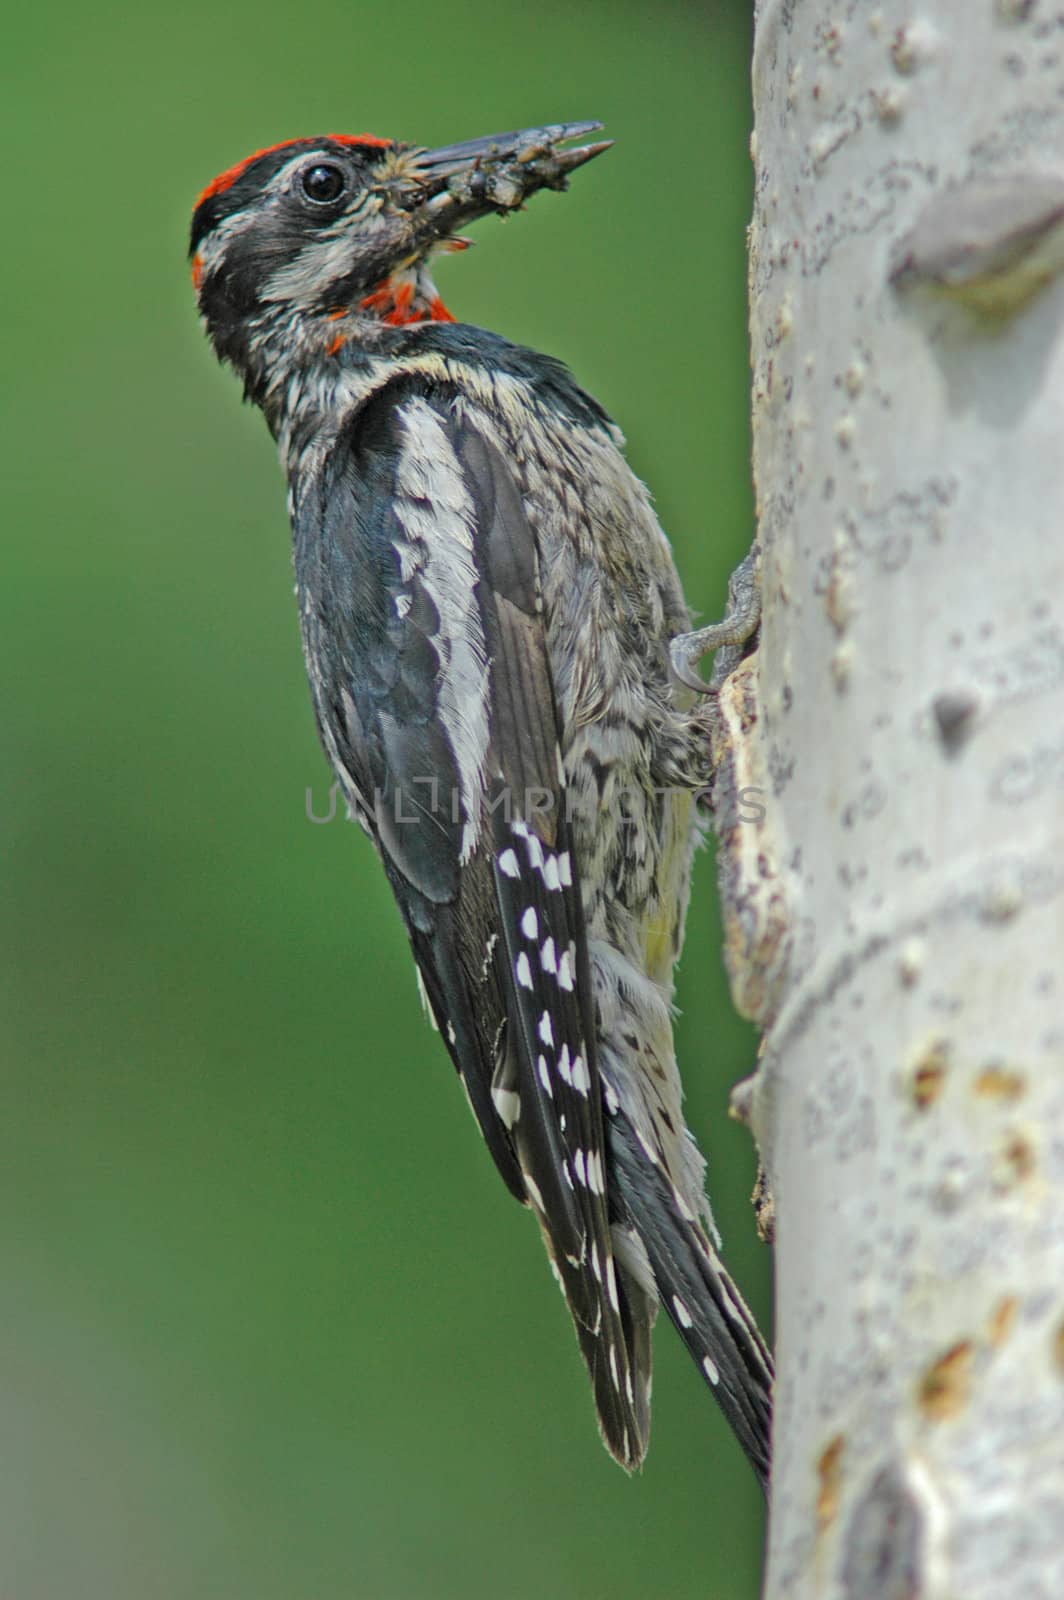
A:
x,y
547,957
594,1173
546,1032
564,1065
611,1284
565,869
536,1198
578,1164
550,873
535,851
581,1079
683,1315
544,1075
565,971
508,864
524,971
710,1370
613,1368
530,923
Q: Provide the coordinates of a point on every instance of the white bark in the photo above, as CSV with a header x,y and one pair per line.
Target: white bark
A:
x,y
896,920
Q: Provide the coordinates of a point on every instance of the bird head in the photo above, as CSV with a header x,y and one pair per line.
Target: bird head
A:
x,y
336,232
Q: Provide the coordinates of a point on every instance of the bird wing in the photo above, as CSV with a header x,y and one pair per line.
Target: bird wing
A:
x,y
418,572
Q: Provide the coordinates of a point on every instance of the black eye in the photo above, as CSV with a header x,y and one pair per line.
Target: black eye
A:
x,y
322,183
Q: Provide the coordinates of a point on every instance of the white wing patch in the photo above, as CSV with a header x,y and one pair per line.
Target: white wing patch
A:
x,y
436,513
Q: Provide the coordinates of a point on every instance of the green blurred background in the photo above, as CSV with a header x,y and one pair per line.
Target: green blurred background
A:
x,y
269,1325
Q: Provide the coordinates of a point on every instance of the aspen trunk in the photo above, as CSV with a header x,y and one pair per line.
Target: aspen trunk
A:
x,y
895,920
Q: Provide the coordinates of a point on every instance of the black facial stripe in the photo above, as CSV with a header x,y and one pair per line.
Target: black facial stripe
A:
x,y
245,189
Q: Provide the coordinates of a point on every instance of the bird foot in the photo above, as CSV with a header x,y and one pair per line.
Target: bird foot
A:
x,y
740,621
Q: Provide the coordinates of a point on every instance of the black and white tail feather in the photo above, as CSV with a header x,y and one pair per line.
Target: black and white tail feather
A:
x,y
698,1294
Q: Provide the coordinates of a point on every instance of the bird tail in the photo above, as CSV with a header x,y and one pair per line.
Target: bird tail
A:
x,y
699,1296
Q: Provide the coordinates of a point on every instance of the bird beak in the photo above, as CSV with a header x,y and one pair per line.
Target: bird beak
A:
x,y
459,182
529,145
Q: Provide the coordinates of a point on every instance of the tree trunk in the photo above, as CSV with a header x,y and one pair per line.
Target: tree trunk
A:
x,y
895,919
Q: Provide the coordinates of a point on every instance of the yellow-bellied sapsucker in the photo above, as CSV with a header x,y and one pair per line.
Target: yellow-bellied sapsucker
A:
x,y
487,604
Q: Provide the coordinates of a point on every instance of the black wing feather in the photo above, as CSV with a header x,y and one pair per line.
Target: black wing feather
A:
x,y
543,964
377,666
374,667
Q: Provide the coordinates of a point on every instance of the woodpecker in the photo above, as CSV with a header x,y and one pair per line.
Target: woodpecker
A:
x,y
487,606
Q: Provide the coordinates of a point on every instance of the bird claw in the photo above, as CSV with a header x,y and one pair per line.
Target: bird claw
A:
x,y
740,621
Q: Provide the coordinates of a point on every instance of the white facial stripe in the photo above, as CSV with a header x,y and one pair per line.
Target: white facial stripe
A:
x,y
283,177
217,242
328,259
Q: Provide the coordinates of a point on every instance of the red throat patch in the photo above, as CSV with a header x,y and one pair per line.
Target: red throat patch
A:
x,y
399,301
398,304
